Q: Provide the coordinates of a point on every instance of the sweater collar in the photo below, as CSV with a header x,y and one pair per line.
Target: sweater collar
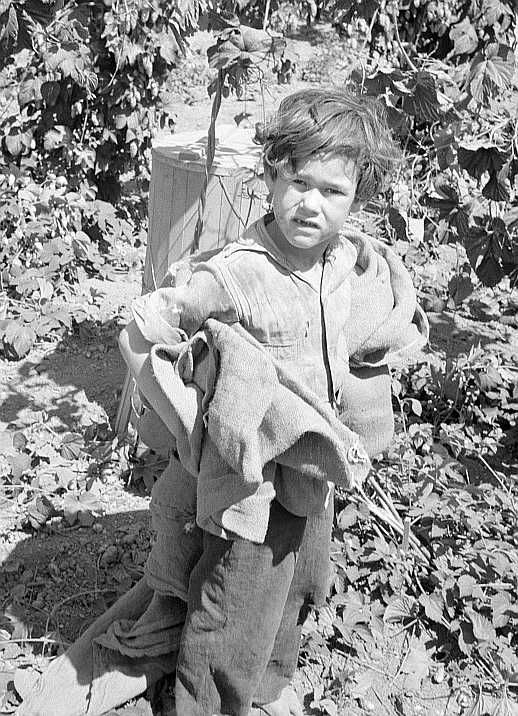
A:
x,y
340,256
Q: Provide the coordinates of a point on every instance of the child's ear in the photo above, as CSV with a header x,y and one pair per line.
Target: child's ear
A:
x,y
268,179
356,206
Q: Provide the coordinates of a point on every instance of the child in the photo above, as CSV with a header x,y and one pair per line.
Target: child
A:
x,y
329,306
290,283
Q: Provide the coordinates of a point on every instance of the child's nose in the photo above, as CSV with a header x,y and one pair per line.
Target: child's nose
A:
x,y
311,199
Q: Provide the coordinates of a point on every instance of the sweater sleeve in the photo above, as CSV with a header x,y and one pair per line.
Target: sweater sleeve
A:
x,y
388,321
168,314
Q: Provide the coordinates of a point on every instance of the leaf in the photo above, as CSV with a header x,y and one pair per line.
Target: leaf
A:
x,y
68,62
399,609
14,144
7,446
71,446
416,667
466,584
45,288
443,141
464,38
329,707
506,707
21,337
500,603
25,680
422,102
168,47
491,72
28,92
19,621
363,682
40,511
415,227
20,464
460,287
479,158
50,92
347,517
415,406
59,136
398,223
11,28
483,630
483,248
65,477
433,606
466,638
495,189
120,121
73,506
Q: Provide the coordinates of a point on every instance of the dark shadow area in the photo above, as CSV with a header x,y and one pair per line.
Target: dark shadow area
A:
x,y
454,336
84,367
54,583
61,578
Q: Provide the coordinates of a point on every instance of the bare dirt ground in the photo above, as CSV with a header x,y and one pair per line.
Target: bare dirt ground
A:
x,y
58,579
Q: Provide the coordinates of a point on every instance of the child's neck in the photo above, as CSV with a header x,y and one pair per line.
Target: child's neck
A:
x,y
305,260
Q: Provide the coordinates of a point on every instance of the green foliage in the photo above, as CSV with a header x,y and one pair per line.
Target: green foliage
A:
x,y
83,88
458,608
424,557
446,76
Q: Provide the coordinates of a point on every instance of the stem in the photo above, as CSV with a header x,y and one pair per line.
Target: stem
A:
x,y
384,497
400,45
266,14
211,150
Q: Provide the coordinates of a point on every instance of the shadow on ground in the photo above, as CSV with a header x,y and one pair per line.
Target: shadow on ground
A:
x,y
63,380
54,583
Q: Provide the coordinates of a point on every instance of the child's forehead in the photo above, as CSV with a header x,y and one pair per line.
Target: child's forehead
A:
x,y
336,164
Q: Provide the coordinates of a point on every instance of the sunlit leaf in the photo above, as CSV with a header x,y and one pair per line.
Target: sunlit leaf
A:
x,y
21,337
491,72
433,606
400,608
71,446
483,630
20,464
14,143
29,91
40,511
464,37
10,31
24,680
57,137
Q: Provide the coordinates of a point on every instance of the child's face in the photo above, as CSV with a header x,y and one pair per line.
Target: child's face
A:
x,y
311,206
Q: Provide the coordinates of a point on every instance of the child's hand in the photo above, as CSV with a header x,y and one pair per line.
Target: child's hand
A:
x,y
286,705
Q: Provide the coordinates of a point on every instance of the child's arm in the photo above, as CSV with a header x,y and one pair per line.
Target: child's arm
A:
x,y
161,314
135,351
169,315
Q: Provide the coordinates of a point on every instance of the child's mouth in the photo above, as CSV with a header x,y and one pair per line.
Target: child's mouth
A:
x,y
305,223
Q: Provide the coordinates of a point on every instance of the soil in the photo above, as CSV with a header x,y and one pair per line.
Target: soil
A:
x,y
56,580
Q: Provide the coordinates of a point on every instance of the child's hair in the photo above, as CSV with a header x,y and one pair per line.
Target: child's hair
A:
x,y
319,121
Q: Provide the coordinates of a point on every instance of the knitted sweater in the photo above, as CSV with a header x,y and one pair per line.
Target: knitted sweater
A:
x,y
245,427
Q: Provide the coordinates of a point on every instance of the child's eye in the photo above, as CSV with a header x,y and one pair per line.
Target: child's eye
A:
x,y
335,192
299,182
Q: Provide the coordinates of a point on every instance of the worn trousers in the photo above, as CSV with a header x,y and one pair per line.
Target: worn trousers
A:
x,y
247,604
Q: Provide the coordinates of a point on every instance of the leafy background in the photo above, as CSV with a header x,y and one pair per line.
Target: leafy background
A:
x,y
423,612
